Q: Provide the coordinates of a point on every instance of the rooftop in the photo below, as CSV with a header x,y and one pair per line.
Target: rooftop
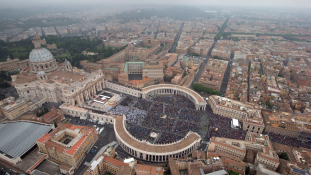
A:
x,y
17,137
119,128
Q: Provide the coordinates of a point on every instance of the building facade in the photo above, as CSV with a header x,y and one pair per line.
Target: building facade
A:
x,y
13,65
68,143
248,114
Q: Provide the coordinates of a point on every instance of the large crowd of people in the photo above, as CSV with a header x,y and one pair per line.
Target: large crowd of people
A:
x,y
189,115
176,100
167,138
148,115
128,101
139,133
220,127
184,102
182,128
171,111
291,141
143,104
120,110
136,116
165,99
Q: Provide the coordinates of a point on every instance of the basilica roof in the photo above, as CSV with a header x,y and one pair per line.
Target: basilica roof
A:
x,y
38,55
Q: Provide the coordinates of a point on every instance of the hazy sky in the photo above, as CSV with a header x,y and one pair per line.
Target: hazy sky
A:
x,y
262,3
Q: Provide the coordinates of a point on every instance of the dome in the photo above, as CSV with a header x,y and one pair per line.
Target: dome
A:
x,y
40,54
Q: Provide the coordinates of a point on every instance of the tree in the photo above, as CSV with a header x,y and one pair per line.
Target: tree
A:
x,y
247,170
284,156
268,104
217,57
11,56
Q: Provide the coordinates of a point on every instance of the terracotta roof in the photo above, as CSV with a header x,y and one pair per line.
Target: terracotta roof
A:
x,y
57,147
44,138
113,161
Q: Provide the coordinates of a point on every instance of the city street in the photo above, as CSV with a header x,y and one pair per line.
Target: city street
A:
x,y
196,78
177,38
224,83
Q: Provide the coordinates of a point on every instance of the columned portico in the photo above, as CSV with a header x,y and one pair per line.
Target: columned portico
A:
x,y
154,152
162,89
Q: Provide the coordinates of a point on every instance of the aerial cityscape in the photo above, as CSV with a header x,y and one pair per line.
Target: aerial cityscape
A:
x,y
155,87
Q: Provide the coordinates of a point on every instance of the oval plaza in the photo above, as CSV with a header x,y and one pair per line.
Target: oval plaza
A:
x,y
48,81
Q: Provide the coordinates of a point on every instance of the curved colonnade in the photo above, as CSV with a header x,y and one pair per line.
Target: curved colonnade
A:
x,y
162,89
154,152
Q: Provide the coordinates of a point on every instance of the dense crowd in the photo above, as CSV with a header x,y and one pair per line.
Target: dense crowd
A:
x,y
139,133
189,115
136,116
291,141
182,128
143,104
221,127
172,111
128,101
183,102
167,138
149,114
165,99
120,110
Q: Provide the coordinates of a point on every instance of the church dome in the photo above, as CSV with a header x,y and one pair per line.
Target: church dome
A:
x,y
38,55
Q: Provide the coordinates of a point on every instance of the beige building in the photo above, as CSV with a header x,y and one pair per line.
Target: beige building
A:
x,y
12,109
108,164
68,143
236,149
54,82
277,124
13,65
248,114
148,170
154,72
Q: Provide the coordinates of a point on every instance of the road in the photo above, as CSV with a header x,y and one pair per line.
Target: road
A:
x,y
224,83
177,39
196,78
248,77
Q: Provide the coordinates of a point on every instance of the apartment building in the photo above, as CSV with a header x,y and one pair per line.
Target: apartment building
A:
x,y
248,114
236,149
110,165
148,170
12,109
13,65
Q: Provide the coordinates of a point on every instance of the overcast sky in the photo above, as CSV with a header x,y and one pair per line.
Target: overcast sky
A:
x,y
261,3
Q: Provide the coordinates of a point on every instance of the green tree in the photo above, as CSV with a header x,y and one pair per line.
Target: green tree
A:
x,y
247,170
284,156
268,104
11,56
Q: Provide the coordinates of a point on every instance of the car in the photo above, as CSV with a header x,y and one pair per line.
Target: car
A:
x,y
85,123
92,151
95,126
95,147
